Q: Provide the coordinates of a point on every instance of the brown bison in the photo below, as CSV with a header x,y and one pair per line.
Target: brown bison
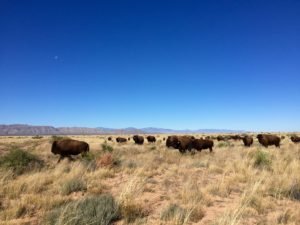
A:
x,y
109,138
138,139
151,139
121,139
129,139
235,137
182,143
164,139
172,141
68,147
221,138
295,139
268,139
247,140
200,144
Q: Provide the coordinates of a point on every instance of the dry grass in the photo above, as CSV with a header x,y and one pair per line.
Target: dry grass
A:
x,y
155,185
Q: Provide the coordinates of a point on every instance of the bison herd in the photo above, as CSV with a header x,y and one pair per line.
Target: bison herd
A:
x,y
183,143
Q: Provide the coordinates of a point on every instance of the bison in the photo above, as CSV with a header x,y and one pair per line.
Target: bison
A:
x,y
200,144
172,141
247,140
121,139
66,148
138,139
295,139
221,138
182,143
151,139
109,138
235,137
268,139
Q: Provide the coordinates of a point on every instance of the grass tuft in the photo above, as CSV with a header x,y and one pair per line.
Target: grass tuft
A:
x,y
20,161
73,185
97,210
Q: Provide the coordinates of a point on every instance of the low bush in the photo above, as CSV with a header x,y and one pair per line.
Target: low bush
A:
x,y
96,210
262,159
73,185
174,213
131,212
20,161
106,147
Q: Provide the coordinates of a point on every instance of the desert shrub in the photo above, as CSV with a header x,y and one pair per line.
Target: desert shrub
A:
x,y
224,144
37,137
106,147
262,159
285,217
132,212
20,161
197,214
58,138
96,210
153,148
73,185
174,213
294,191
89,161
108,160
131,164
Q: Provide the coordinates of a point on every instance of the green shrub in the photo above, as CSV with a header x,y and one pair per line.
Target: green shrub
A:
x,y
20,161
73,185
58,138
225,144
262,159
97,210
106,147
37,137
174,212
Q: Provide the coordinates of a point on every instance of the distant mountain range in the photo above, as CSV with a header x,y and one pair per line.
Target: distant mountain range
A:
x,y
23,129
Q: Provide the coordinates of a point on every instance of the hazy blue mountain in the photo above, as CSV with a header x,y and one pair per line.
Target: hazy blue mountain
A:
x,y
24,129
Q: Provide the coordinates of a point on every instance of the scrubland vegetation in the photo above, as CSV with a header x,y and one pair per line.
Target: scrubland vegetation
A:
x,y
148,184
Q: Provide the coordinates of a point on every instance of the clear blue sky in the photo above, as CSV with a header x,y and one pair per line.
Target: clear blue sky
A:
x,y
172,64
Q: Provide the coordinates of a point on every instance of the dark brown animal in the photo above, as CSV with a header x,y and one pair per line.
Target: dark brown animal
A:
x,y
129,139
138,139
295,139
282,137
234,137
172,141
221,138
151,139
69,147
121,139
268,139
164,139
182,143
109,138
200,144
247,140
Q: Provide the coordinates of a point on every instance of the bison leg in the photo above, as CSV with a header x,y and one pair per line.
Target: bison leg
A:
x,y
70,158
210,149
60,158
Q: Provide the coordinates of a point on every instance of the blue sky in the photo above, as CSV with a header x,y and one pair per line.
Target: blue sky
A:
x,y
172,64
